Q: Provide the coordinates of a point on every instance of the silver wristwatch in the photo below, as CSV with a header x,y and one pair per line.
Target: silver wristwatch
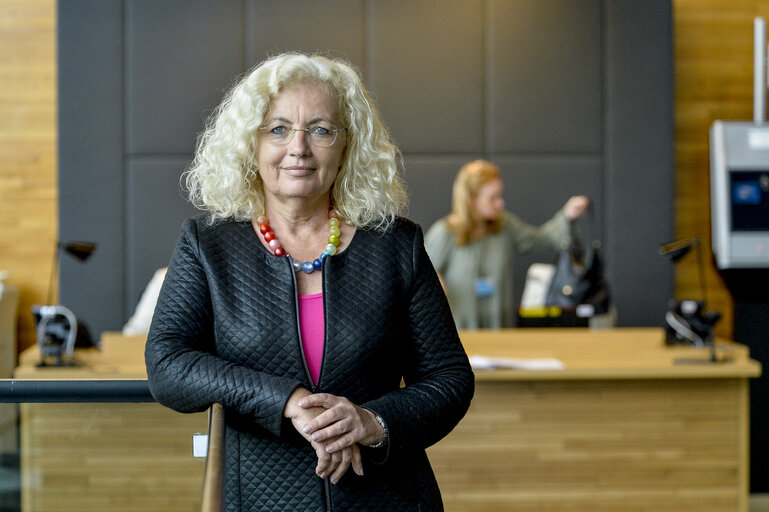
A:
x,y
385,436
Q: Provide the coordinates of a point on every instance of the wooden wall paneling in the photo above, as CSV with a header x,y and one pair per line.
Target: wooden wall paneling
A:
x,y
597,446
98,457
713,80
28,160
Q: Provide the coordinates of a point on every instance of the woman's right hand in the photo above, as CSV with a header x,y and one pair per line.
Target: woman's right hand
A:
x,y
334,465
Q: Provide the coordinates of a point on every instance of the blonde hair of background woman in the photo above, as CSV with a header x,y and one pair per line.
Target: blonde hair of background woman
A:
x,y
463,218
224,179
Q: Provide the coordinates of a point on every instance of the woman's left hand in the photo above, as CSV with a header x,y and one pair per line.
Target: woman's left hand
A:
x,y
342,420
576,207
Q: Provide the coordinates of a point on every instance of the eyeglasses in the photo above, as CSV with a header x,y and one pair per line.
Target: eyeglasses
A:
x,y
320,134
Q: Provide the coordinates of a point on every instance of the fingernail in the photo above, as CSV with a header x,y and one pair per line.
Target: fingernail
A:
x,y
302,403
306,429
329,448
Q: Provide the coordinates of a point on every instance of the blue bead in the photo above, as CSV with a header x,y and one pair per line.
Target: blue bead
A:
x,y
317,264
297,265
307,267
323,256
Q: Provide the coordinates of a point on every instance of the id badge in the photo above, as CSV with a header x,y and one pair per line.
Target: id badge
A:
x,y
484,287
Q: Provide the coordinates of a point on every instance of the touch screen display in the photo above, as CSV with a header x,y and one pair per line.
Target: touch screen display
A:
x,y
750,200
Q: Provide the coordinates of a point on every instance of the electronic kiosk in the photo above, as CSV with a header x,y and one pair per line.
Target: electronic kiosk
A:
x,y
739,183
739,178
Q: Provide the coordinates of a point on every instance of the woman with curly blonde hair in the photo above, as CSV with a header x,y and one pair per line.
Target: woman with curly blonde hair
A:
x,y
224,177
302,301
473,247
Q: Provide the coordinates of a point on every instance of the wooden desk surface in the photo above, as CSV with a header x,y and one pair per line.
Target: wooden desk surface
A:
x,y
622,353
121,357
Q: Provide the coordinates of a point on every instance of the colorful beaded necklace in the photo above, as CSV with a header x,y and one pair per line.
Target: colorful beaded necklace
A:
x,y
308,267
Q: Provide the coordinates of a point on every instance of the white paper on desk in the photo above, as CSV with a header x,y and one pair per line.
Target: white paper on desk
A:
x,y
490,363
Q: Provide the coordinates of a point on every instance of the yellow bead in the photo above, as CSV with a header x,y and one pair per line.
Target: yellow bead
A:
x,y
334,230
333,240
333,222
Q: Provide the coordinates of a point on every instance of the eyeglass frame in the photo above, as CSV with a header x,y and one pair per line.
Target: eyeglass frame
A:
x,y
307,134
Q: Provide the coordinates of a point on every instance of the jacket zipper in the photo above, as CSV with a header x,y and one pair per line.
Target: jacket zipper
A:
x,y
313,387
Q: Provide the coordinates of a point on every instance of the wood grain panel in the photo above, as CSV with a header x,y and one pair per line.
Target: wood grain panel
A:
x,y
621,427
28,163
713,66
597,446
129,457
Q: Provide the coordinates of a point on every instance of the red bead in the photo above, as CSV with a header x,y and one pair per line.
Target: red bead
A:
x,y
269,236
264,228
262,220
333,215
280,252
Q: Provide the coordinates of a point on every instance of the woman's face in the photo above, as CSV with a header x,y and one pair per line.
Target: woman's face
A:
x,y
488,202
299,169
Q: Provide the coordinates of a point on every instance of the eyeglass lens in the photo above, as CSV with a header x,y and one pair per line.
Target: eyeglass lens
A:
x,y
318,135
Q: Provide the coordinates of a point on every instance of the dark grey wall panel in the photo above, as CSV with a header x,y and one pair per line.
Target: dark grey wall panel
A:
x,y
90,90
639,156
155,210
567,97
425,67
544,76
333,27
179,59
430,179
536,187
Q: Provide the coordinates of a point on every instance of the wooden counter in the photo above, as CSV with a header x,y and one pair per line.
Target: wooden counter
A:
x,y
106,456
627,425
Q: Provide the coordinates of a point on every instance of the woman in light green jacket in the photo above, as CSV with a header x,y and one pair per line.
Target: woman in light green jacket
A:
x,y
473,247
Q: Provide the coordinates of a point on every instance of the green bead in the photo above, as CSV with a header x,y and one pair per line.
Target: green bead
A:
x,y
333,240
331,249
334,230
333,223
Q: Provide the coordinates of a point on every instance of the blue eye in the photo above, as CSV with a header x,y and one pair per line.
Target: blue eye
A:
x,y
278,130
319,130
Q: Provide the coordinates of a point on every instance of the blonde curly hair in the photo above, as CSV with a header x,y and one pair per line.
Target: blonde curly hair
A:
x,y
223,178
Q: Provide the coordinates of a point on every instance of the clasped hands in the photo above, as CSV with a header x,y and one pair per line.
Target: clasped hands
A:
x,y
335,427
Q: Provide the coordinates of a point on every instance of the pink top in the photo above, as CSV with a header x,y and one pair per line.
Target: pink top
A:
x,y
311,327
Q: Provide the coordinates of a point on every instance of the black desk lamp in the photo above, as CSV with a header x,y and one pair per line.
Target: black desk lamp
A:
x,y
686,321
57,327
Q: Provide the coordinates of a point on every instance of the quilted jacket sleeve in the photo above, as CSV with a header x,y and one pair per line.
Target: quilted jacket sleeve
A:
x,y
184,371
439,382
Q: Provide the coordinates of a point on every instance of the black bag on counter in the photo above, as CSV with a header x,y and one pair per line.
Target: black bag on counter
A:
x,y
579,280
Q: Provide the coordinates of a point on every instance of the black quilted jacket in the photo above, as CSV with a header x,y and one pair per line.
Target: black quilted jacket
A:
x,y
225,330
